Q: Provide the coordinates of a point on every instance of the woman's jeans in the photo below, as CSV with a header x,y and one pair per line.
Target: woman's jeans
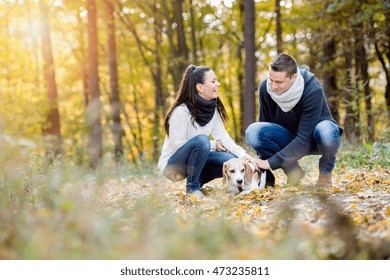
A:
x,y
196,162
269,138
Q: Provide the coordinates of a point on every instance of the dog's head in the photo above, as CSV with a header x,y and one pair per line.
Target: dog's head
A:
x,y
237,174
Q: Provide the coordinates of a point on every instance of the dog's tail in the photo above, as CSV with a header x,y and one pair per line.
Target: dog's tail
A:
x,y
267,179
263,179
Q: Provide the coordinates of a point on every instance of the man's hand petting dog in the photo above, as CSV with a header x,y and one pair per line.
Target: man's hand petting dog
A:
x,y
261,164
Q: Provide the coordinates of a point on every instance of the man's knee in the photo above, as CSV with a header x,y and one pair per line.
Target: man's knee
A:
x,y
251,129
327,133
255,131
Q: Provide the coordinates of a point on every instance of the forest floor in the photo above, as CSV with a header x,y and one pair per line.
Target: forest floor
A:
x,y
141,215
350,220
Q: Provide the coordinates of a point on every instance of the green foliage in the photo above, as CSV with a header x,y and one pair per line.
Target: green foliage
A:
x,y
371,156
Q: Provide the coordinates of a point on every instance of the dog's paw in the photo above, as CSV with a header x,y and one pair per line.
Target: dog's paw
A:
x,y
246,192
208,190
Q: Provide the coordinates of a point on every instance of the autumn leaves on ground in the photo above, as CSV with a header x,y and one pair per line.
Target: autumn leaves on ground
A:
x,y
67,212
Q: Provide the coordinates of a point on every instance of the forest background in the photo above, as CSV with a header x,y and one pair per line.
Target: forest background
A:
x,y
85,85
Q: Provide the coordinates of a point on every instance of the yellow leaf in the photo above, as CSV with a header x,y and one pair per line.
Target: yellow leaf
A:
x,y
358,220
387,212
263,233
258,209
43,213
246,219
336,189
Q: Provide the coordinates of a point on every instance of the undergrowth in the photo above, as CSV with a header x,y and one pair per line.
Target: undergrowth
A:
x,y
66,211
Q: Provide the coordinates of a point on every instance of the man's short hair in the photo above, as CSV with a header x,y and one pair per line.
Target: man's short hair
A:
x,y
284,63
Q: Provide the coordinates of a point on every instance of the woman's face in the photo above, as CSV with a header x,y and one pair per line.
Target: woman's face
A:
x,y
208,90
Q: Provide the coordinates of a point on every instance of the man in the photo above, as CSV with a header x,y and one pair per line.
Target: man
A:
x,y
294,121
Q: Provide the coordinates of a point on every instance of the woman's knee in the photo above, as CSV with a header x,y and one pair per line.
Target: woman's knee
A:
x,y
202,141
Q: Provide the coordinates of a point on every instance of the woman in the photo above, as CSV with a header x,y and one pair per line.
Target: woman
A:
x,y
196,113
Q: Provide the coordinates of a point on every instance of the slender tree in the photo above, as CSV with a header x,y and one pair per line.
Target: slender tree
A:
x,y
181,35
82,57
115,102
159,92
154,67
329,75
279,39
249,102
94,106
352,113
361,61
381,41
193,34
52,128
175,31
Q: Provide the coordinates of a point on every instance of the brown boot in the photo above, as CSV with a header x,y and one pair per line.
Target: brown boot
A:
x,y
294,177
324,181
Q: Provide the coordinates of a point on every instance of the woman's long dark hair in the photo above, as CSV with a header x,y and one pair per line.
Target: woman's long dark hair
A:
x,y
192,76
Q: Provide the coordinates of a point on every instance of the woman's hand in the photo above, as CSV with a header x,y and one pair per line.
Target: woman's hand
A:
x,y
248,159
220,147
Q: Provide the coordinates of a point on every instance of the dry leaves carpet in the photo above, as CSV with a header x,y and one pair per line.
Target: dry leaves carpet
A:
x,y
349,221
141,215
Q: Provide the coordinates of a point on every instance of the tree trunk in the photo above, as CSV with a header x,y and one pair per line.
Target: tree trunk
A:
x,y
174,53
52,129
156,73
279,39
351,123
240,74
387,44
83,59
35,56
382,55
181,35
115,102
94,106
193,34
249,102
362,63
387,76
329,76
159,94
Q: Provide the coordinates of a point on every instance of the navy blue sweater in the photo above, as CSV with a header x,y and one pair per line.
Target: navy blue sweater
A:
x,y
311,109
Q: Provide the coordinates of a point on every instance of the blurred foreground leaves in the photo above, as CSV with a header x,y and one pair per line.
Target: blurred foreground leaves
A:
x,y
124,213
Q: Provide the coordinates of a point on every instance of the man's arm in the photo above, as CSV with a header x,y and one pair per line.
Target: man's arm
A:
x,y
301,144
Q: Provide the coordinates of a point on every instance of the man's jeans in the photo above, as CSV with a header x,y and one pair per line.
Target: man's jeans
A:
x,y
196,162
268,138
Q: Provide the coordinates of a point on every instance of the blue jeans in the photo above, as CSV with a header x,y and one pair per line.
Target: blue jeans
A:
x,y
269,138
196,162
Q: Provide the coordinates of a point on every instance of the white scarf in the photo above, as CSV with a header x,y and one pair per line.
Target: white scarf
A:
x,y
288,99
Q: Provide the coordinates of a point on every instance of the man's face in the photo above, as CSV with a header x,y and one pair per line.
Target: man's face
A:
x,y
280,82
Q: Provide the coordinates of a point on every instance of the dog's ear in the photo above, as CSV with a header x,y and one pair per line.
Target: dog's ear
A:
x,y
224,173
248,174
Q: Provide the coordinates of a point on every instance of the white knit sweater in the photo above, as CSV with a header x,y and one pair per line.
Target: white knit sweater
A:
x,y
181,130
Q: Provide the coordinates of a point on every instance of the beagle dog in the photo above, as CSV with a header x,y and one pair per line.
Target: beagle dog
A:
x,y
242,177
